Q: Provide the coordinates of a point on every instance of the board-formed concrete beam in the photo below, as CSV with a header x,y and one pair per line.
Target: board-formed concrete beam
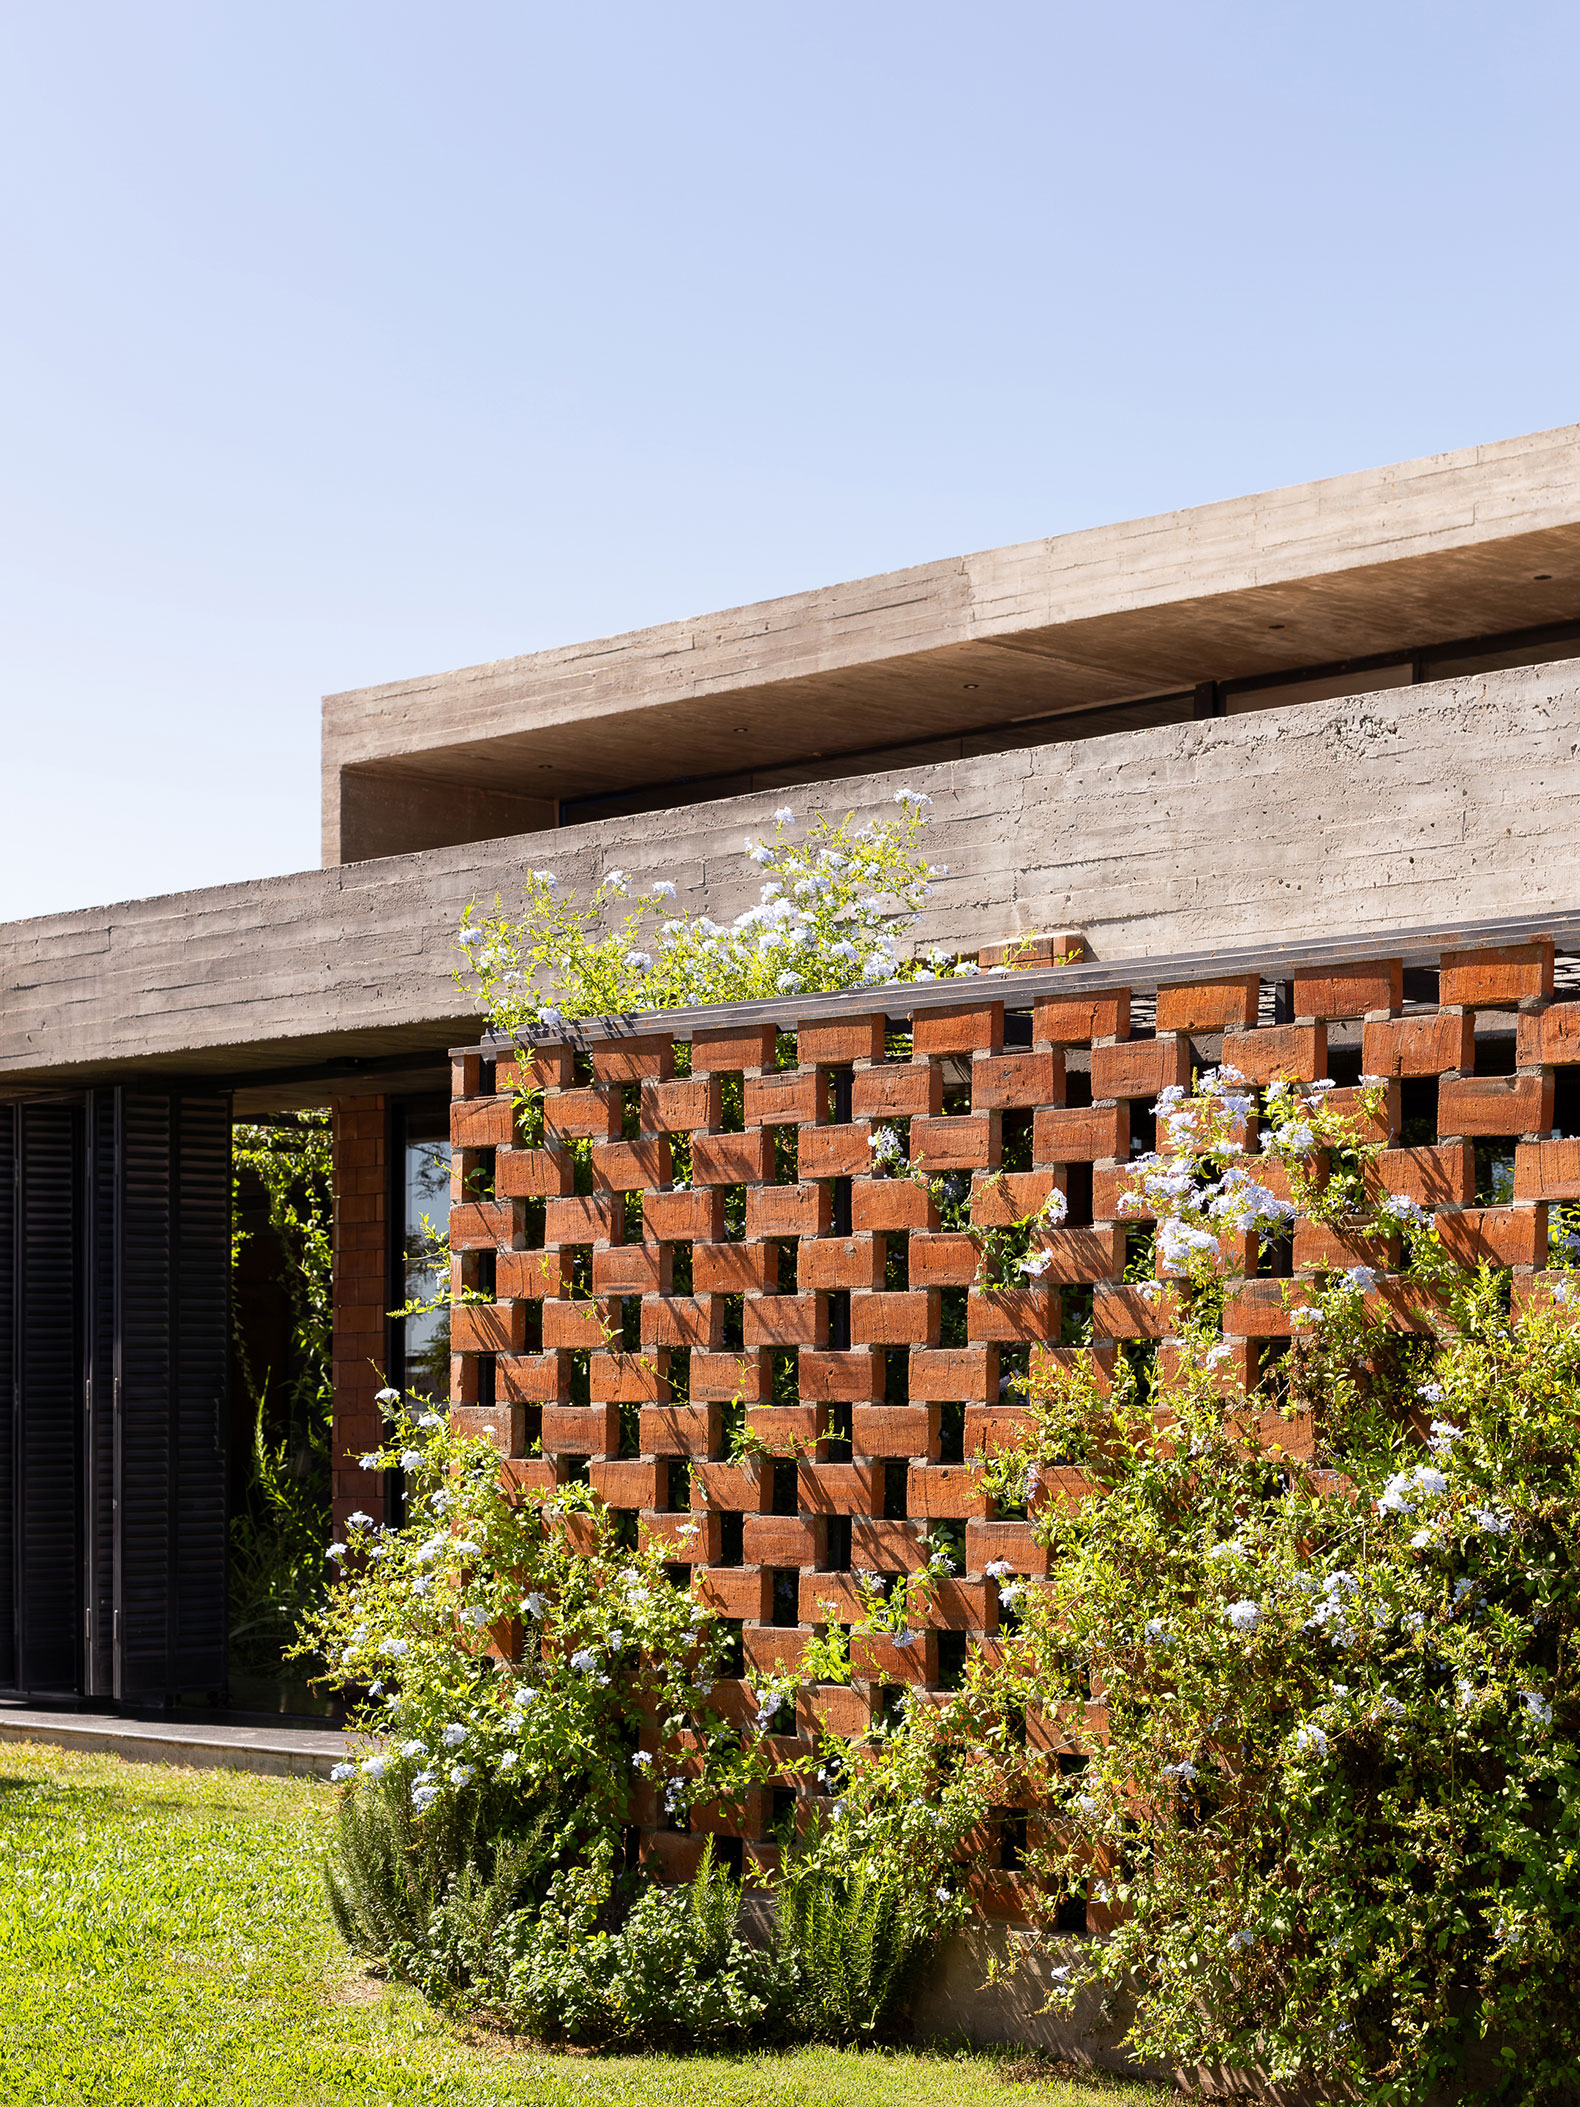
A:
x,y
1482,540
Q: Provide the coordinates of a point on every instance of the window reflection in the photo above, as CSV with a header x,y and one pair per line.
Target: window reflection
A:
x,y
426,1257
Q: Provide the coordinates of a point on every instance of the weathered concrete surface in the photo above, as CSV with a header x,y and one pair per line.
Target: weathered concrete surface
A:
x,y
299,1752
1414,806
1453,546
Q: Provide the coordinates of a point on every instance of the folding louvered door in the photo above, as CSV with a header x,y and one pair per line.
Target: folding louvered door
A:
x,y
114,1347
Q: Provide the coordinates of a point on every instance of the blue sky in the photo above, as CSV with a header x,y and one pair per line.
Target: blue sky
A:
x,y
345,342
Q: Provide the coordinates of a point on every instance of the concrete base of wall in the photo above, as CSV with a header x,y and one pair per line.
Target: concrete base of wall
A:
x,y
285,1752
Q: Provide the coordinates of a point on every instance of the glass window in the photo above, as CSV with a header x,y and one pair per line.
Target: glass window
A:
x,y
426,1258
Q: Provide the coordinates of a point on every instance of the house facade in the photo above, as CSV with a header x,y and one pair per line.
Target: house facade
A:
x,y
1253,742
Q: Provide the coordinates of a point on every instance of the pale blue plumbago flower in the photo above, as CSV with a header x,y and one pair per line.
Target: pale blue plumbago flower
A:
x,y
342,1771
784,816
461,1774
1244,1616
337,1552
475,1615
369,1462
423,1797
535,1603
1405,1487
375,1767
943,1894
453,1735
1158,1633
662,889
641,1760
359,1521
411,1459
1494,1520
639,961
549,1017
761,853
393,1647
1538,1707
506,1763
914,798
584,1660
1055,1208
430,1419
472,937
1443,1433
1242,1941
905,1638
386,1396
1184,1770
411,1750
618,883
1362,1277
546,879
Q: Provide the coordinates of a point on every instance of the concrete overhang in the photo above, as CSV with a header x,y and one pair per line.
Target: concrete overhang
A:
x,y
1483,540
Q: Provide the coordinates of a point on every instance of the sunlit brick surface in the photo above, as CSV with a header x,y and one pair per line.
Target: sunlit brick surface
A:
x,y
794,1300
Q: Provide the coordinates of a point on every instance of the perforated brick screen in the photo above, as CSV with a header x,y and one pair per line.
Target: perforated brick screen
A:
x,y
795,1296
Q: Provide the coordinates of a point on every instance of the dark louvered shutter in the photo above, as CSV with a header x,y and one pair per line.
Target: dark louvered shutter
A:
x,y
143,1418
8,1183
99,1458
201,1329
47,1385
173,1329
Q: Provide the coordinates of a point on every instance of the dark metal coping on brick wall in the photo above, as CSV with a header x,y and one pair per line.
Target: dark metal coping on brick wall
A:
x,y
876,1365
1419,946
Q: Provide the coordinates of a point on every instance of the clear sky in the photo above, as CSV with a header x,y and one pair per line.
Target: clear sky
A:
x,y
344,342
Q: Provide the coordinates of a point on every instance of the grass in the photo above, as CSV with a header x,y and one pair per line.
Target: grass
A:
x,y
164,1943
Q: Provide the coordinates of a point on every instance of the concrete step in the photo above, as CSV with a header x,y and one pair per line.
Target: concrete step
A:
x,y
283,1751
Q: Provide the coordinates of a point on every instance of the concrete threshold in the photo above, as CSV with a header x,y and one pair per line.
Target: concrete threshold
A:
x,y
294,1752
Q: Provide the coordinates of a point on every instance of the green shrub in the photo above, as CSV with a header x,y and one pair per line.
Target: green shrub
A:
x,y
855,1944
676,1974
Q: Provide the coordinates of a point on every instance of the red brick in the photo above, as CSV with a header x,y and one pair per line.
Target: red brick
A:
x,y
732,1159
1024,954
839,1488
573,1325
593,1218
1432,1177
533,1274
834,1152
898,1090
963,1605
946,1492
628,1166
681,1107
1125,1313
466,1076
786,1320
787,1210
834,1377
832,1598
488,1327
1299,1051
633,1060
533,1378
1350,991
835,1044
1502,1236
1551,1035
1498,975
878,1546
625,1379
532,1174
879,1204
785,1430
592,1115
1010,1314
1495,1104
545,1068
744,1488
1077,1020
785,1100
1210,1005
771,1650
1081,1256
744,1592
1139,1067
1321,1249
581,1430
1005,1198
529,1474
683,1217
681,1320
680,1430
835,1709
729,1049
972,1028
835,1263
969,1141
1419,1045
720,1378
895,1320
1080,1133
733,1269
627,1269
941,1262
1547,1170
879,1658
1002,1081
992,1428
953,1374
1258,1310
687,1539
482,1225
894,1430
783,1539
505,1424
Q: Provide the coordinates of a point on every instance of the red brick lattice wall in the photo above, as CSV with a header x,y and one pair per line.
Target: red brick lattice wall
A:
x,y
898,1358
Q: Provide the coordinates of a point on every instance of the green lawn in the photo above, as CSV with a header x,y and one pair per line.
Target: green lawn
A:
x,y
163,1940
